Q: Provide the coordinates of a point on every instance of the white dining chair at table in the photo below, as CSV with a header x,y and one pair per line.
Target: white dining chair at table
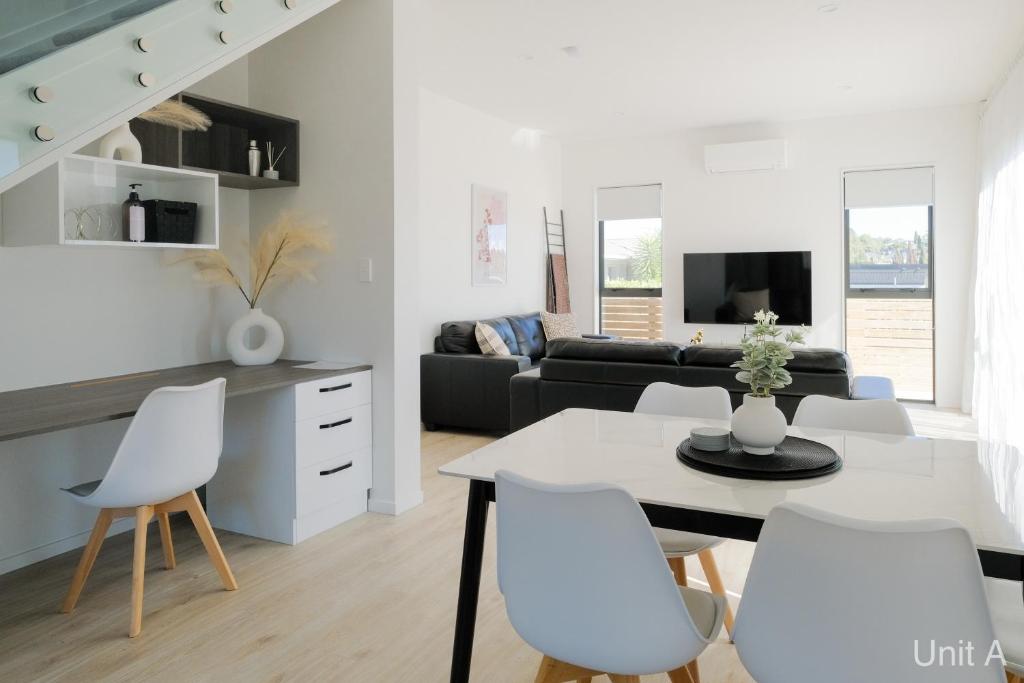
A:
x,y
1004,599
585,583
814,610
880,415
171,448
712,403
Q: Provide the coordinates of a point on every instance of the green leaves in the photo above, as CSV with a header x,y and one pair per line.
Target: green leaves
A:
x,y
764,356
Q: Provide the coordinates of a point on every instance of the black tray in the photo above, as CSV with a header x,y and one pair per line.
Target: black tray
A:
x,y
794,458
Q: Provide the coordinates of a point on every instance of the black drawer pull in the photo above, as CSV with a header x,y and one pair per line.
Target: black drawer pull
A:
x,y
324,390
324,473
336,424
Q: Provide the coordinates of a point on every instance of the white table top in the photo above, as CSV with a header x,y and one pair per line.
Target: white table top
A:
x,y
883,477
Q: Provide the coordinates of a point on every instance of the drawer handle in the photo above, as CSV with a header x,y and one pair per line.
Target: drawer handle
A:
x,y
332,425
324,390
324,473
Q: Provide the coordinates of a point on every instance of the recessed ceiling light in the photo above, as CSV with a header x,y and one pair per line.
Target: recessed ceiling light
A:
x,y
828,8
845,87
526,58
572,51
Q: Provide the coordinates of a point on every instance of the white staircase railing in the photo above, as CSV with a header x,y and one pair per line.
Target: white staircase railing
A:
x,y
62,101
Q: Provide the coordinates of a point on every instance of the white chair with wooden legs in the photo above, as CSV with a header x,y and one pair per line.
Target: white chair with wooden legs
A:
x,y
171,448
880,415
1005,602
586,584
815,610
711,403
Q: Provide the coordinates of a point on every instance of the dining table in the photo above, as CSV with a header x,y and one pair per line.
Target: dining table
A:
x,y
883,477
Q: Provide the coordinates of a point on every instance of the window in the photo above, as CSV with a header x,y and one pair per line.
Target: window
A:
x,y
889,276
629,261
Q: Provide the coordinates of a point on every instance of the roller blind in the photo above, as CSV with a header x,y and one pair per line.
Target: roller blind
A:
x,y
623,203
895,187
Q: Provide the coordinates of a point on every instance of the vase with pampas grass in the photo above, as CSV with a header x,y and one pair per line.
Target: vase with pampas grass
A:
x,y
123,143
282,253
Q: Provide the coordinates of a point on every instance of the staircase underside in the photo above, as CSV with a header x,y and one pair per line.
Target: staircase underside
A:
x,y
86,55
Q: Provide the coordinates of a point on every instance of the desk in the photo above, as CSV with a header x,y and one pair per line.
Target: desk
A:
x,y
39,410
883,478
284,426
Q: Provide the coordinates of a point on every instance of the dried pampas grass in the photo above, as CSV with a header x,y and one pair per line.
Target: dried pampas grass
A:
x,y
177,115
281,255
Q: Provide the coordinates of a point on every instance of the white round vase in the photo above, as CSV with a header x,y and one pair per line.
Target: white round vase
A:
x,y
264,354
759,425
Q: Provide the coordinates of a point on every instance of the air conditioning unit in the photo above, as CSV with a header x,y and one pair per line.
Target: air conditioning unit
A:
x,y
746,157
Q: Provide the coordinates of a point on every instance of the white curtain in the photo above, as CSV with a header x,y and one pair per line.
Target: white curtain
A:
x,y
999,268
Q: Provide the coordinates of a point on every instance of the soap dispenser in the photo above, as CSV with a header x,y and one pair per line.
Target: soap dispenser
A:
x,y
133,216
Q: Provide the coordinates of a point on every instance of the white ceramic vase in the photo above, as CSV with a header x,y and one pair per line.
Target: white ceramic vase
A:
x,y
759,425
264,354
121,141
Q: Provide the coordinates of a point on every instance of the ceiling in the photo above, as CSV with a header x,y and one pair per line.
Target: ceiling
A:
x,y
650,66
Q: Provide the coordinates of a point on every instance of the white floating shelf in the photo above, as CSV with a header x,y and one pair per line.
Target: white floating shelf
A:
x,y
39,210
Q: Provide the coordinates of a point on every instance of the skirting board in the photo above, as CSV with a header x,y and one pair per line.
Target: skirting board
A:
x,y
23,559
389,507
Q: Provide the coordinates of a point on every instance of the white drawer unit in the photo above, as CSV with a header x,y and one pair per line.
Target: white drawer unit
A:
x,y
296,461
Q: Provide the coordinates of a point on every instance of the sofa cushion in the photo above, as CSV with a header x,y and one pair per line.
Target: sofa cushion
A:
x,y
804,360
459,336
490,341
529,335
560,325
616,351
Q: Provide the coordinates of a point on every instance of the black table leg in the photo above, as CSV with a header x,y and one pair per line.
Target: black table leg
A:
x,y
469,583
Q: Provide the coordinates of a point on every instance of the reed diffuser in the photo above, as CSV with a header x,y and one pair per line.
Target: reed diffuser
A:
x,y
272,160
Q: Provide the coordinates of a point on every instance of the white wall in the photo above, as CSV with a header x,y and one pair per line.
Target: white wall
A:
x,y
75,313
796,209
335,74
460,146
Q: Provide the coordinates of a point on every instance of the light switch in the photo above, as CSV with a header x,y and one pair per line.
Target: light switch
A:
x,y
366,269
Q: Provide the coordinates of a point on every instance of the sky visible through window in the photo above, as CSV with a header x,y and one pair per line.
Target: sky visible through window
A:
x,y
632,254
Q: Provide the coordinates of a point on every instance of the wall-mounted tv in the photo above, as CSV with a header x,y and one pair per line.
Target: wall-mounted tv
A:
x,y
728,288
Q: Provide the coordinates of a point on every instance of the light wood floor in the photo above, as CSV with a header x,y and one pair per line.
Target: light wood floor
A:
x,y
372,600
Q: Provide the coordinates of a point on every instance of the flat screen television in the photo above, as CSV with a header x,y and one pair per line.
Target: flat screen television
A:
x,y
728,288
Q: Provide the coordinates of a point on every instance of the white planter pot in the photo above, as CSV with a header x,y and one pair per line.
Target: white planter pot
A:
x,y
759,425
267,352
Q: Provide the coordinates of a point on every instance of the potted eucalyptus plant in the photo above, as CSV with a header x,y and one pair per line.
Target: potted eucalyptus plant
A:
x,y
758,424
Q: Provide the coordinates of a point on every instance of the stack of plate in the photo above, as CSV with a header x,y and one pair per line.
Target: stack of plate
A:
x,y
709,438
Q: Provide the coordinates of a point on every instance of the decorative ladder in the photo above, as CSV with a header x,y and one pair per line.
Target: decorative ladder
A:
x,y
558,271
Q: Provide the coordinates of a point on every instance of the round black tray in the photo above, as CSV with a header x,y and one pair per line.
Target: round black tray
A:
x,y
794,458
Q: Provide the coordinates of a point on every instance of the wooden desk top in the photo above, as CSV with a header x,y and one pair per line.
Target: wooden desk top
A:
x,y
39,410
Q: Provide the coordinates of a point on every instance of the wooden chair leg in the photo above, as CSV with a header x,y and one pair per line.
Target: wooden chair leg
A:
x,y
678,565
553,670
209,539
682,675
619,678
710,567
92,549
143,516
694,670
165,540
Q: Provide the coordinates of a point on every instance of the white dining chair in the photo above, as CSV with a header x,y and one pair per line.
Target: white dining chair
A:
x,y
880,415
712,403
586,584
171,448
1007,606
814,609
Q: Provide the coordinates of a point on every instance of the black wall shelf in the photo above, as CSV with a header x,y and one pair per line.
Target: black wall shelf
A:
x,y
223,149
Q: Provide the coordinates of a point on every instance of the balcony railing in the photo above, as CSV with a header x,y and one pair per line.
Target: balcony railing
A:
x,y
893,338
632,317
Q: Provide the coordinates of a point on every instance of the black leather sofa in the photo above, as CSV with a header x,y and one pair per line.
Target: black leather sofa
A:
x,y
460,387
611,375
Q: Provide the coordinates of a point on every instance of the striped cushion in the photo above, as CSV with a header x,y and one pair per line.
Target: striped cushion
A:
x,y
490,341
